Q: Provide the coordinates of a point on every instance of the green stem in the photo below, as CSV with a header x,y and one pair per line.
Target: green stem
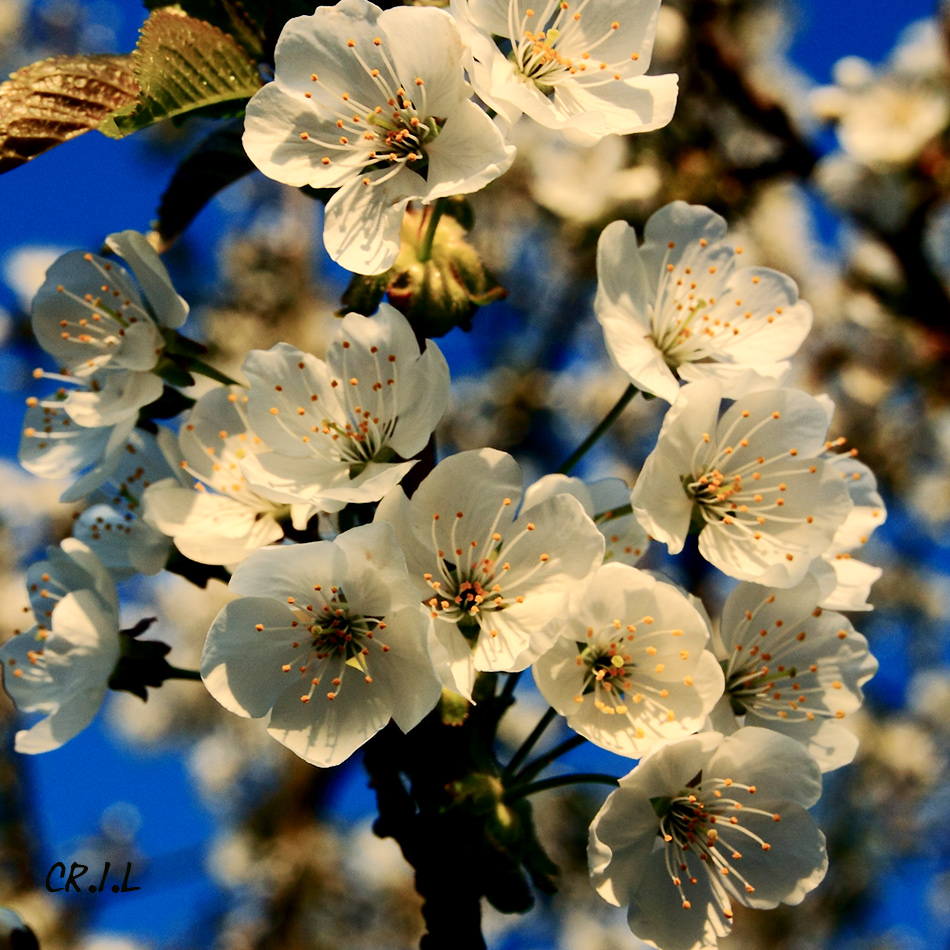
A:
x,y
425,248
620,512
601,428
176,673
525,750
508,692
195,365
559,781
543,761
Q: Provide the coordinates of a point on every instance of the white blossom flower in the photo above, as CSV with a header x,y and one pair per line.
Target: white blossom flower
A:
x,y
883,120
327,641
572,66
375,104
846,581
494,579
626,541
222,519
630,667
752,483
705,821
112,527
555,166
678,306
91,314
336,428
61,667
81,433
792,667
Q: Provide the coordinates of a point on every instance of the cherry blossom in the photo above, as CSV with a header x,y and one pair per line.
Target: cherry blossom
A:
x,y
792,667
80,432
221,519
61,667
572,66
679,306
495,579
753,484
703,822
626,541
337,428
884,119
630,668
375,104
845,580
112,526
90,313
327,641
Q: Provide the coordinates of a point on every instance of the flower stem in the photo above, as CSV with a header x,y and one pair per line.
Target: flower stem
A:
x,y
508,691
558,781
543,761
600,429
177,673
425,248
529,743
204,369
618,512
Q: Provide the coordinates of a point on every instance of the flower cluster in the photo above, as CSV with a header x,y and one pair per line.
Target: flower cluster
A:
x,y
375,581
61,666
105,328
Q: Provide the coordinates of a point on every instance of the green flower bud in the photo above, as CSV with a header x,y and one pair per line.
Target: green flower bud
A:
x,y
438,293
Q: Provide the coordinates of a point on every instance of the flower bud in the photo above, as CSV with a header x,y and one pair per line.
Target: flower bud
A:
x,y
438,293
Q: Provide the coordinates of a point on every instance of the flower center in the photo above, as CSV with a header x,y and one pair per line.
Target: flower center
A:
x,y
362,413
338,640
550,46
384,130
109,315
607,676
736,487
476,578
764,675
704,824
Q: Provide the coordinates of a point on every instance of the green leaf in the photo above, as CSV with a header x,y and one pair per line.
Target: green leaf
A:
x,y
219,161
183,64
54,100
242,20
262,19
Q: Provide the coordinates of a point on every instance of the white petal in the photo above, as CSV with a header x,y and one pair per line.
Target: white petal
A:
x,y
853,581
377,582
780,769
243,667
406,671
657,913
289,571
210,529
326,732
659,500
275,118
169,309
468,153
119,400
627,105
452,657
622,837
636,354
125,547
436,59
362,222
67,721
